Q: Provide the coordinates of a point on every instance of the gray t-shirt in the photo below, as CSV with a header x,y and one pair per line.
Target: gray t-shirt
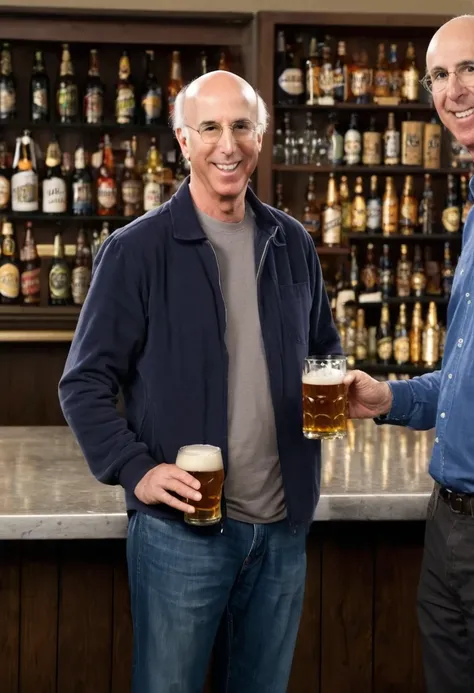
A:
x,y
253,486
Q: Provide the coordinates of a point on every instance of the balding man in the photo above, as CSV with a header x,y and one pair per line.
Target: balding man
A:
x,y
202,313
445,400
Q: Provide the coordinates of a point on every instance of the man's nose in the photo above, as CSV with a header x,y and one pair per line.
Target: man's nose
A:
x,y
227,141
455,88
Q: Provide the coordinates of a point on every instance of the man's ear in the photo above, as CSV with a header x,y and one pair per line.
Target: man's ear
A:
x,y
182,137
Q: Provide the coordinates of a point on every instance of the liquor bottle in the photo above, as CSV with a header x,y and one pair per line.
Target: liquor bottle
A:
x,y
466,199
362,337
107,183
451,216
369,275
401,342
125,93
30,273
132,186
25,177
67,100
385,272
223,62
332,215
433,273
95,245
54,184
358,208
153,178
389,208
374,208
416,335
352,143
7,85
432,144
412,142
382,76
39,91
361,78
82,186
175,82
346,205
430,338
104,232
350,333
81,272
152,97
391,143
426,208
447,273
418,277
5,179
354,274
442,341
336,142
204,63
384,337
9,266
94,92
280,199
340,74
396,75
408,208
59,275
326,81
403,273
372,145
284,76
411,76
311,212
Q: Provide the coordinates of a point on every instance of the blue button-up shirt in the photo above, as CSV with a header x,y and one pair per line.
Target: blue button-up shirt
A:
x,y
445,399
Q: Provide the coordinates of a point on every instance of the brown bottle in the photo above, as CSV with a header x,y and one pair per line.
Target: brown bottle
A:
x,y
401,343
175,83
9,266
369,275
411,76
311,212
408,208
94,92
132,186
224,63
389,208
30,274
346,205
332,215
382,75
384,337
358,208
416,332
59,275
432,144
81,273
418,277
106,183
430,338
403,273
372,145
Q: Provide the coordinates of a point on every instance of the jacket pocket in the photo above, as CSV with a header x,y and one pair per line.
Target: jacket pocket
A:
x,y
295,307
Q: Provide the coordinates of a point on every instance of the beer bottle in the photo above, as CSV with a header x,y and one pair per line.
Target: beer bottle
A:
x,y
30,274
311,212
416,333
326,83
466,198
336,142
223,62
418,277
359,208
5,184
384,337
39,91
7,85
451,217
81,273
340,76
369,275
106,183
67,95
82,196
332,215
354,275
401,343
125,93
408,208
361,78
432,144
447,273
25,176
175,82
59,275
382,75
433,273
362,337
94,93
153,178
374,208
289,85
352,143
411,76
430,338
9,266
389,208
346,205
403,273
385,272
132,186
151,96
372,149
391,143
395,73
54,184
426,209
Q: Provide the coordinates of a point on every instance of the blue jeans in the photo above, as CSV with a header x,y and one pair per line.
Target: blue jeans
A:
x,y
244,586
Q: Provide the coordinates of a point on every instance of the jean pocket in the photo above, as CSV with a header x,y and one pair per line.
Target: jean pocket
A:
x,y
296,306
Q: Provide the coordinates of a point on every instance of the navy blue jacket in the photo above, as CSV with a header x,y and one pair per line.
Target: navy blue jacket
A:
x,y
153,326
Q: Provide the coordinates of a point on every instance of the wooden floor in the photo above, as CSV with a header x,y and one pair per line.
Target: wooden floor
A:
x,y
65,621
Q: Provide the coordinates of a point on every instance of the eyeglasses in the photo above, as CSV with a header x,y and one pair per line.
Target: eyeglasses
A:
x,y
437,82
242,131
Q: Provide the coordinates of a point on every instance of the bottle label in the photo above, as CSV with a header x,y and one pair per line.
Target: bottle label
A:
x,y
336,149
24,191
392,144
67,101
81,279
374,214
381,83
312,224
332,221
412,154
361,351
408,213
107,194
291,81
82,197
59,282
152,195
125,105
9,280
432,146
403,283
352,147
93,105
368,278
372,149
40,99
451,219
339,77
384,348
7,101
386,280
401,348
54,196
132,192
4,192
390,216
418,282
360,82
359,217
411,85
151,104
30,282
346,214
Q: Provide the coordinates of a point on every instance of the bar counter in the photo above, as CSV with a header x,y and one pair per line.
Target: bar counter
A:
x,y
47,492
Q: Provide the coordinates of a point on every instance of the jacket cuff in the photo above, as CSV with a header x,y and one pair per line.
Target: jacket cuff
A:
x,y
402,404
133,471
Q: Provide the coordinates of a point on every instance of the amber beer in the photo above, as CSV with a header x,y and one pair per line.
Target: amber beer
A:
x,y
204,462
324,398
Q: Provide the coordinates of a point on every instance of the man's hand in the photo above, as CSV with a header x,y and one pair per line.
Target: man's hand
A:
x,y
154,487
367,397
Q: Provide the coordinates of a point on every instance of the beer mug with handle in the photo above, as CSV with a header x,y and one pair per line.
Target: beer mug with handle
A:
x,y
324,397
204,462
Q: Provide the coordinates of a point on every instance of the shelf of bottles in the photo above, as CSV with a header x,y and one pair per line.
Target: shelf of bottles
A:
x,y
85,148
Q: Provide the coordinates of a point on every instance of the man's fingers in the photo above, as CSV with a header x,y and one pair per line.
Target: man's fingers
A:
x,y
165,497
181,475
182,489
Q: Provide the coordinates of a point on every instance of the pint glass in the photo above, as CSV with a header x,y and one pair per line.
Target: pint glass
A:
x,y
324,397
204,462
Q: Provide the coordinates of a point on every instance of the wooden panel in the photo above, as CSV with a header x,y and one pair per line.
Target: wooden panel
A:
x,y
39,617
346,610
9,617
85,618
397,653
122,625
305,672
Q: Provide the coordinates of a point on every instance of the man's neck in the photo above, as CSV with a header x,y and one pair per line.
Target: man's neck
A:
x,y
229,210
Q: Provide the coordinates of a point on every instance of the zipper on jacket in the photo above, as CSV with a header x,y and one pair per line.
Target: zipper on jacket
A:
x,y
264,254
219,277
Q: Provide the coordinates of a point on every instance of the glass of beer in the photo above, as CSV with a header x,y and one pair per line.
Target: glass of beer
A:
x,y
204,462
324,397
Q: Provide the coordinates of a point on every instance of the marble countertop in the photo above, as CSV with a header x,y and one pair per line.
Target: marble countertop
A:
x,y
48,492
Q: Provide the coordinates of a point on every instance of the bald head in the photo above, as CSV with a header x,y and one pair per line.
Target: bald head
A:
x,y
457,29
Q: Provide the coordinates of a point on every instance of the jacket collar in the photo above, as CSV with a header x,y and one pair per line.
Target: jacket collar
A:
x,y
186,226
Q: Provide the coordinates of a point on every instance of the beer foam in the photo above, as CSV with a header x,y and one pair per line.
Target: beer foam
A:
x,y
199,458
325,376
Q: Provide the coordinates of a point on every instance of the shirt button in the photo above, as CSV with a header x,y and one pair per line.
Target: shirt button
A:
x,y
443,415
460,341
436,440
461,272
468,294
450,375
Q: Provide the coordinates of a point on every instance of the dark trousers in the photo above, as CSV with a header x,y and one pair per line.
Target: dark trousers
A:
x,y
446,600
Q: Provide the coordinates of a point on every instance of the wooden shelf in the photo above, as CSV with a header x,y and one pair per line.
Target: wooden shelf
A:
x,y
84,127
413,238
64,218
398,300
327,250
348,106
380,369
17,318
369,170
